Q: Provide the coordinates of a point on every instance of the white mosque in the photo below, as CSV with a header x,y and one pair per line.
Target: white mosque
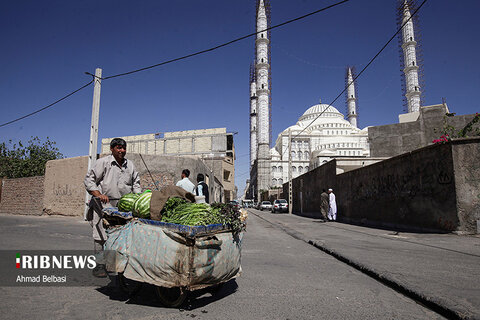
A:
x,y
329,136
321,133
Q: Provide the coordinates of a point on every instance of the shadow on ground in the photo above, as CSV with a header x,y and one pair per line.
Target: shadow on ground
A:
x,y
146,295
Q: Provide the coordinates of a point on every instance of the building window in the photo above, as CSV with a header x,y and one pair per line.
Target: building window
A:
x,y
226,175
280,169
306,168
300,154
300,169
307,155
294,169
280,181
294,155
274,169
274,182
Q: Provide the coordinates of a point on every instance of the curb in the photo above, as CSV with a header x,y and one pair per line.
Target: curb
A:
x,y
384,279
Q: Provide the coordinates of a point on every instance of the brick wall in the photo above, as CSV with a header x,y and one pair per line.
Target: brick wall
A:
x,y
22,196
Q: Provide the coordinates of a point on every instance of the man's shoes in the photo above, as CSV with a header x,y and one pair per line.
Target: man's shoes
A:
x,y
99,271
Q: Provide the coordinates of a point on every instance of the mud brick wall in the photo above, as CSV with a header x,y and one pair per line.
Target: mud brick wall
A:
x,y
64,188
22,196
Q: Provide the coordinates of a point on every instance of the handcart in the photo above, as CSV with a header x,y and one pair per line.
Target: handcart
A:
x,y
174,258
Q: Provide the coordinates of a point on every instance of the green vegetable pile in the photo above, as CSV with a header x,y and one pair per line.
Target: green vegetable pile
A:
x,y
179,211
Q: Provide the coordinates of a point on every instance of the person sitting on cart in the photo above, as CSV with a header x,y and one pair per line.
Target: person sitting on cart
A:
x,y
108,180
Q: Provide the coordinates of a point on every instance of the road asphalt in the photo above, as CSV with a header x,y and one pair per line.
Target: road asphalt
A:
x,y
441,271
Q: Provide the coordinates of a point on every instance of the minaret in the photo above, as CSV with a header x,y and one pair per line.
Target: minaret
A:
x,y
263,96
351,99
253,116
412,87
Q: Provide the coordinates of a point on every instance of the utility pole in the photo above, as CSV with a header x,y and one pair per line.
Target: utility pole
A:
x,y
92,152
290,201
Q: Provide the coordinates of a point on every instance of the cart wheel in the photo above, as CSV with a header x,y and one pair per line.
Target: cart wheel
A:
x,y
130,287
171,297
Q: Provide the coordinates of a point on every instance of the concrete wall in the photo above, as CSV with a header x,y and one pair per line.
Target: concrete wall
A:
x,y
308,187
466,160
395,139
64,188
436,188
22,196
414,190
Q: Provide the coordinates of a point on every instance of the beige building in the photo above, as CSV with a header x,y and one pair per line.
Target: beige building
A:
x,y
214,146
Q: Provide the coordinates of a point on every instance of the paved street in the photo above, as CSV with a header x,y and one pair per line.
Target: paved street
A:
x,y
283,278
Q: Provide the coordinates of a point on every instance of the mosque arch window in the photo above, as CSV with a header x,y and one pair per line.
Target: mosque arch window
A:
x,y
294,169
274,169
300,169
294,154
306,155
280,181
306,168
274,181
280,169
300,155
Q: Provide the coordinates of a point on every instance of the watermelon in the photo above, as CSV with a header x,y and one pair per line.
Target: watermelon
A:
x,y
141,207
126,202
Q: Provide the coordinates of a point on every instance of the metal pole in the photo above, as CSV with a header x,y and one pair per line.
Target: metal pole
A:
x,y
213,181
290,197
92,152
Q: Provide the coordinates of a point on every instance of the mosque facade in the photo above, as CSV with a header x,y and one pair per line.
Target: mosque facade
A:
x,y
320,135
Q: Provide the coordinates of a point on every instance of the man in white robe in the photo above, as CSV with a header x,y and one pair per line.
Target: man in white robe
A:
x,y
332,212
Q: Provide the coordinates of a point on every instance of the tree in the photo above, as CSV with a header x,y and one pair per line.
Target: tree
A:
x,y
19,160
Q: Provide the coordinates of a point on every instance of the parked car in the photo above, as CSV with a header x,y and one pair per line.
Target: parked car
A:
x,y
265,205
235,204
280,205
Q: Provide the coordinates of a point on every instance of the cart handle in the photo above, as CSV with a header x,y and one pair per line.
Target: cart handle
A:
x,y
213,243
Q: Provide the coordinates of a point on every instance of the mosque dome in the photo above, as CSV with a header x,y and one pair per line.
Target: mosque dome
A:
x,y
319,111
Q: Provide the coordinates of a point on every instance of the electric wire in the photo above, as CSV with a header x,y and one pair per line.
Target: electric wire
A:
x,y
50,105
361,72
177,59
226,43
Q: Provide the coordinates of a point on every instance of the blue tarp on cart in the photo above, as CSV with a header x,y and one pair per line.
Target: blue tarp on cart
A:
x,y
170,255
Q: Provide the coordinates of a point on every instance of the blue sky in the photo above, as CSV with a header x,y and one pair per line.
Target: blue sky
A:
x,y
48,45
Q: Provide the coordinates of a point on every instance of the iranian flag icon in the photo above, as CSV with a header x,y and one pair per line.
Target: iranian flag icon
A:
x,y
18,260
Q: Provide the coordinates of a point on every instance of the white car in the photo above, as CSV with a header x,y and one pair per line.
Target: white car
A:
x,y
266,205
280,205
